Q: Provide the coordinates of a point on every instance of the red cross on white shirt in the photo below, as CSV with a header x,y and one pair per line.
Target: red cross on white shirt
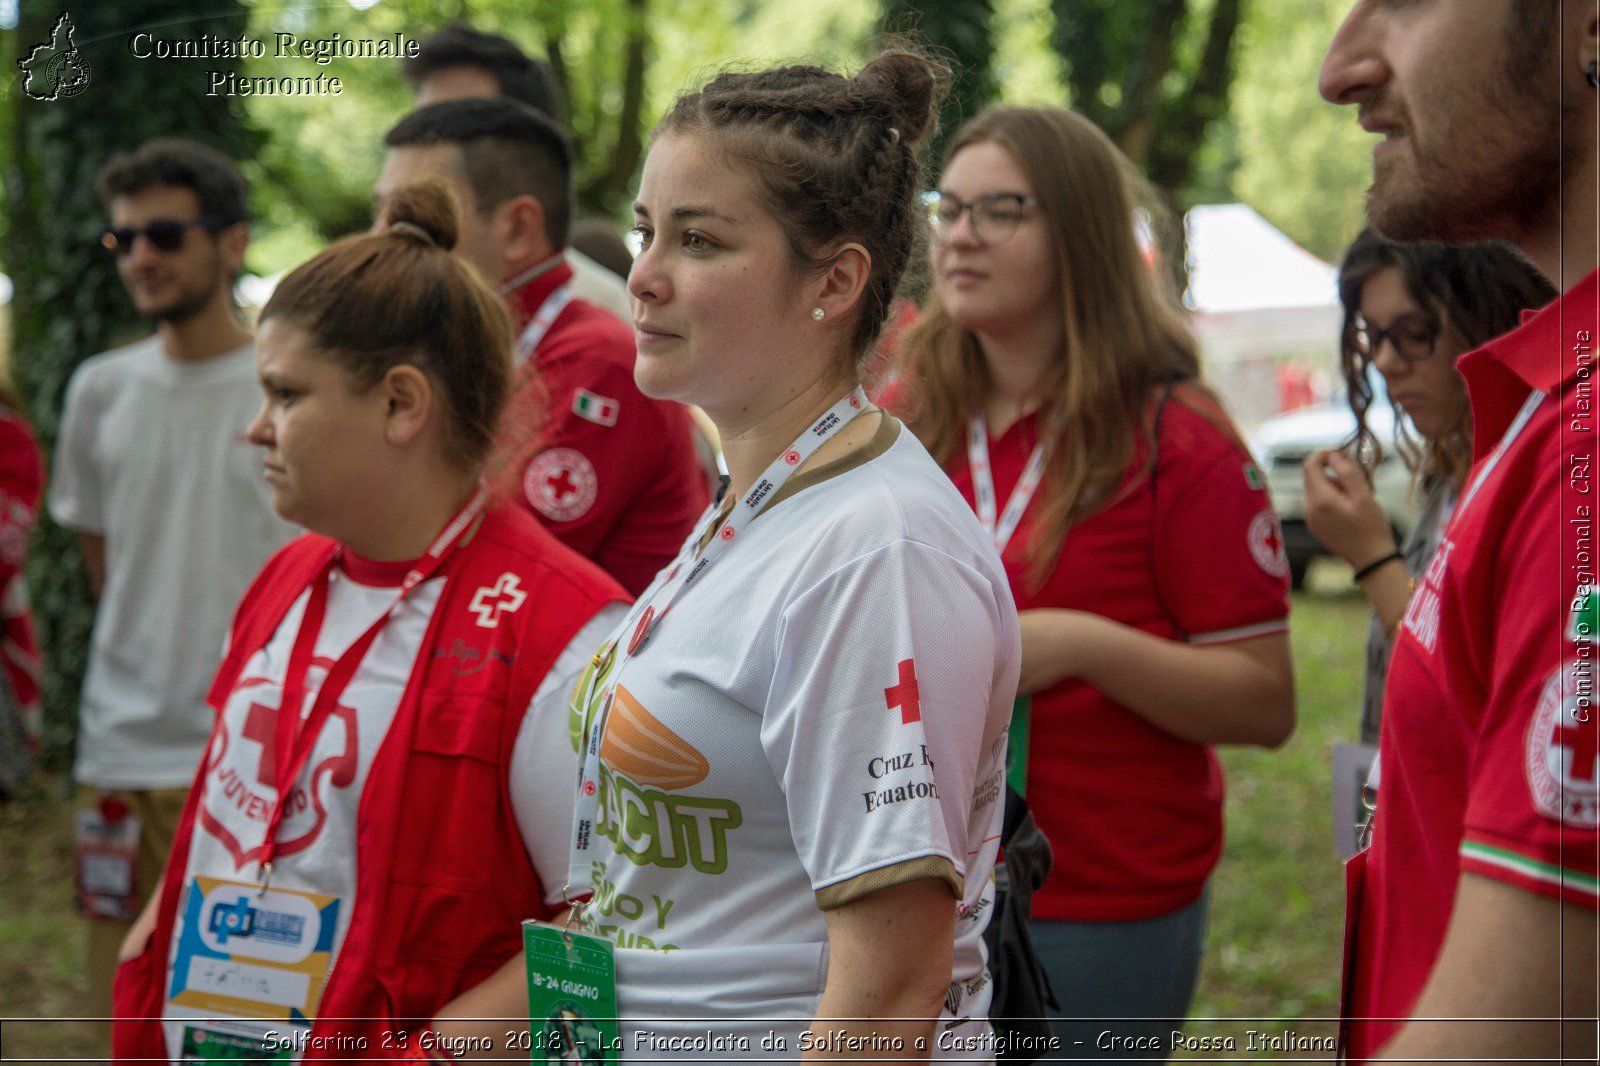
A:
x,y
904,694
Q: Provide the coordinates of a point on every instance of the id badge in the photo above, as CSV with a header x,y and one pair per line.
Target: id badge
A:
x,y
246,952
572,995
108,849
208,1043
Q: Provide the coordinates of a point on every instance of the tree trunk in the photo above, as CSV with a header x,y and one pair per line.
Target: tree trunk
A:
x,y
69,303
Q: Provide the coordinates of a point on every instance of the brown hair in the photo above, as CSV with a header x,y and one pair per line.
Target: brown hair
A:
x,y
1123,333
835,159
397,298
1471,293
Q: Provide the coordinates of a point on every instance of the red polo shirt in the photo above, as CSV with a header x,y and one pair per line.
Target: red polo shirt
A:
x,y
1135,813
612,473
1489,758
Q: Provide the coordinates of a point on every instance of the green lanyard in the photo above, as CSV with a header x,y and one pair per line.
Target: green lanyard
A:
x,y
1017,745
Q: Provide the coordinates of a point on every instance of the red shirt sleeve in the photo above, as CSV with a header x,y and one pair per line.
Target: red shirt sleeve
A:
x,y
1533,793
1221,569
615,476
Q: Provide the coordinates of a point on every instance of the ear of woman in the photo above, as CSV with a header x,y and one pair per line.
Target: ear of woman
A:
x,y
412,405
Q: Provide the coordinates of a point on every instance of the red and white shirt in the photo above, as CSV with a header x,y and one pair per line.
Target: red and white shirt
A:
x,y
1490,749
21,483
1201,560
316,857
610,471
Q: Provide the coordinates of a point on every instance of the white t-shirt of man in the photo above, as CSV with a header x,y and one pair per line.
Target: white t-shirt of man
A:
x,y
153,457
822,715
226,927
597,285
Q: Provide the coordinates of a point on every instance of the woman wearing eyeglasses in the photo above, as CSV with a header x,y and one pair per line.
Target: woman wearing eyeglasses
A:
x,y
1410,310
1061,393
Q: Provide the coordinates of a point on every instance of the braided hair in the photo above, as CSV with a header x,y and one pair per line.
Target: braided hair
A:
x,y
835,158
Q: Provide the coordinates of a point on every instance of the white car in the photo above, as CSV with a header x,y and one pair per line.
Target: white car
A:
x,y
1281,444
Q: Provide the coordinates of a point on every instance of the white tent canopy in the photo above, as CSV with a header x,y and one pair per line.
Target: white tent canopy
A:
x,y
1258,300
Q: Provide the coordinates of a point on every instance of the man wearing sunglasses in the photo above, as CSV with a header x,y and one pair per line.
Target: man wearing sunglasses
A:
x,y
154,473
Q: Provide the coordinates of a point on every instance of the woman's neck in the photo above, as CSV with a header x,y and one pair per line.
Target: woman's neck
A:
x,y
1017,359
403,525
752,438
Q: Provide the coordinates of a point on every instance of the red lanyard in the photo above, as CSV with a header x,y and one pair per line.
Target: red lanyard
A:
x,y
294,745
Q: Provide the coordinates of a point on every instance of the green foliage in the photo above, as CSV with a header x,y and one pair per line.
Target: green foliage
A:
x,y
69,303
1303,162
962,32
1154,74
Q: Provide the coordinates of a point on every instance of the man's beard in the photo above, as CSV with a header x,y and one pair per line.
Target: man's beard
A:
x,y
1499,178
190,302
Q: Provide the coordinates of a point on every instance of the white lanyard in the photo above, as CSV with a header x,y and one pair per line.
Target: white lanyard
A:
x,y
1529,406
983,484
643,619
541,322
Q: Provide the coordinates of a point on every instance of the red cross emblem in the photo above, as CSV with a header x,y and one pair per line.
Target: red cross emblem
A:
x,y
261,726
503,597
561,485
1265,540
1582,739
904,694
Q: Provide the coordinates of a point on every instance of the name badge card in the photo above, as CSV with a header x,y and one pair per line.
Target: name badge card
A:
x,y
572,995
208,1043
245,952
108,847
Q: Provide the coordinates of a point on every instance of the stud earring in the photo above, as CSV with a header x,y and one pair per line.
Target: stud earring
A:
x,y
1593,74
817,314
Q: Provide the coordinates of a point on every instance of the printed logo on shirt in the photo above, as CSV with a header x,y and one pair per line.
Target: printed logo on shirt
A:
x,y
1563,749
16,518
1265,538
601,410
904,694
1422,613
642,764
240,791
561,484
1584,621
490,602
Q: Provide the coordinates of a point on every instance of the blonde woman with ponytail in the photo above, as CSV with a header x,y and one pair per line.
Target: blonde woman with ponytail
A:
x,y
1060,390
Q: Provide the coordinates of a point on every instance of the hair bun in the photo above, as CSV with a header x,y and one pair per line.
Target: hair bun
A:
x,y
912,86
425,212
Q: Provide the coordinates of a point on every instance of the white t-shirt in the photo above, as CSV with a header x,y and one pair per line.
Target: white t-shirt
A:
x,y
599,286
823,714
223,922
153,457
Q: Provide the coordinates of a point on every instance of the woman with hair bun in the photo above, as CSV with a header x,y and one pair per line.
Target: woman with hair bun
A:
x,y
1060,387
795,739
346,873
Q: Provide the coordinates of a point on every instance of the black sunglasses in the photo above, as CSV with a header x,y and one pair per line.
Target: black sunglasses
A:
x,y
166,235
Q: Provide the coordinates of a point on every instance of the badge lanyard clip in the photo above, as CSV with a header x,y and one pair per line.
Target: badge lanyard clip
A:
x,y
644,618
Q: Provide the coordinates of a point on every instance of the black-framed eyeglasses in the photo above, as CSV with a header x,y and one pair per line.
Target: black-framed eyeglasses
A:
x,y
1412,335
165,235
994,218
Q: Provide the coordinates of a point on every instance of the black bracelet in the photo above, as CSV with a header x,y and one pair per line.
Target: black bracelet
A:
x,y
1377,564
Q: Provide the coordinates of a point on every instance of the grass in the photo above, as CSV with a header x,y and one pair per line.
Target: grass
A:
x,y
1276,905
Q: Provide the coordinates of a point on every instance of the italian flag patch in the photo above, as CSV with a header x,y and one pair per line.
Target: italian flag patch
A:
x,y
601,410
1254,477
1584,621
